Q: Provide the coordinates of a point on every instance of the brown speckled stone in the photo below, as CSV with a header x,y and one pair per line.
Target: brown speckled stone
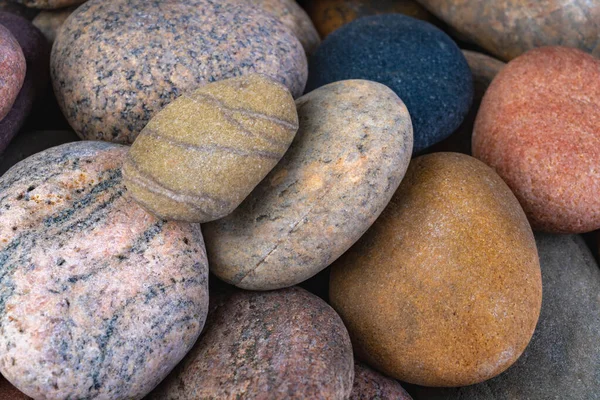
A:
x,y
285,344
116,63
50,21
445,288
49,4
349,155
371,385
197,159
9,392
508,29
329,15
295,18
12,70
539,127
99,299
483,68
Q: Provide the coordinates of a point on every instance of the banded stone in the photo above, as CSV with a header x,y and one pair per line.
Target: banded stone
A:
x,y
98,299
204,153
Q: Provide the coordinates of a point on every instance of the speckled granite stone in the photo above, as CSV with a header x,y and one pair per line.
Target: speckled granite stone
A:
x,y
539,127
415,59
445,288
37,56
29,143
295,18
562,362
483,69
350,153
371,385
510,28
285,344
329,15
17,9
115,64
49,4
98,298
200,156
12,70
50,21
9,392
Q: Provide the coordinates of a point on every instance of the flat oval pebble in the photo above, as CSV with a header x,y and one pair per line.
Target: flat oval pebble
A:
x,y
50,21
508,29
49,4
12,70
539,127
98,298
197,159
563,359
116,63
286,344
329,15
37,56
295,18
415,59
445,288
483,69
371,385
349,156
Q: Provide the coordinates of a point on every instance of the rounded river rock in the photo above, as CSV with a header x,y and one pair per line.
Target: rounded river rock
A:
x,y
349,156
12,70
539,127
415,59
445,288
563,359
371,385
203,154
286,344
98,298
116,63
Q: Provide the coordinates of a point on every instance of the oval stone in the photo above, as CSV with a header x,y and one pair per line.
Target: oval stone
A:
x,y
445,288
508,29
563,359
348,158
98,298
329,15
415,59
371,385
49,4
287,343
295,18
116,63
197,159
539,128
12,70
50,21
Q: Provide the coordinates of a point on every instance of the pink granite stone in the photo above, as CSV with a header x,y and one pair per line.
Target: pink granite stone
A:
x,y
98,298
539,127
12,70
371,385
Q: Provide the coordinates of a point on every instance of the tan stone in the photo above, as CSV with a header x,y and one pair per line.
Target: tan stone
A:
x,y
445,288
197,159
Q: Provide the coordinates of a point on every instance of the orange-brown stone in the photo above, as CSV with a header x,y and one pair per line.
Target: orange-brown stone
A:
x,y
445,288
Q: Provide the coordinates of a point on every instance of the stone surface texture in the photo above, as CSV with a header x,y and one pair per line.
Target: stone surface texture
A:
x,y
12,70
198,158
50,21
415,59
539,127
445,288
37,56
295,18
371,385
563,359
98,298
349,156
329,15
286,344
510,28
115,64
